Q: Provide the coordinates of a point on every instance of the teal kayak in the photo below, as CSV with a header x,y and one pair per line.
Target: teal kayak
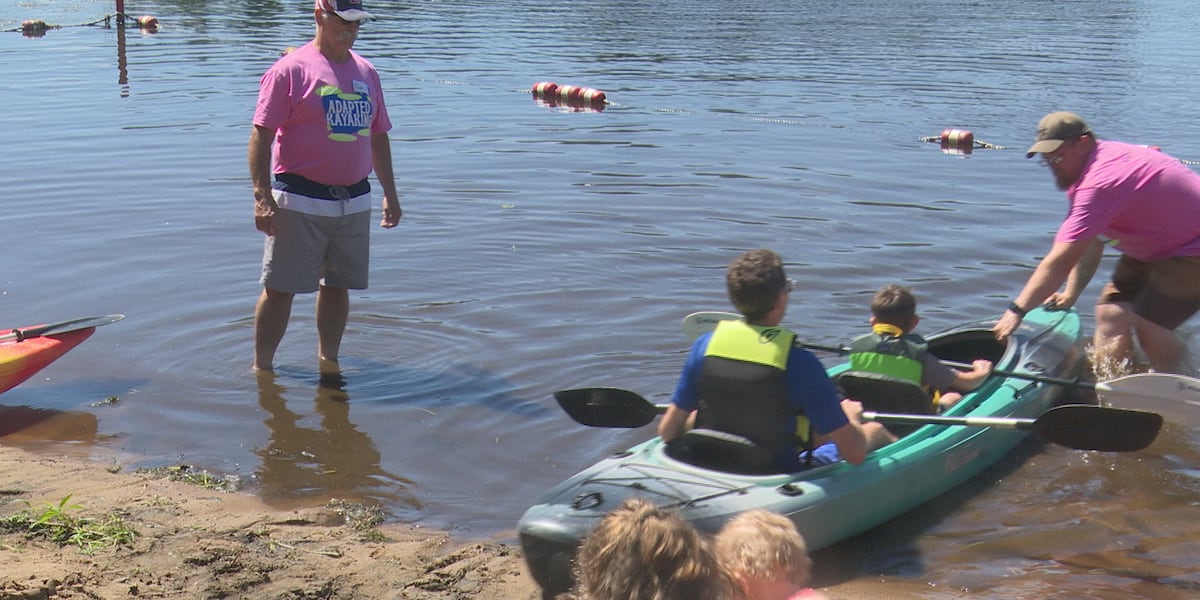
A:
x,y
832,502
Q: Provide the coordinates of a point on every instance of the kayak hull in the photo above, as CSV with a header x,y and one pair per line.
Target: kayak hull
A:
x,y
20,360
833,502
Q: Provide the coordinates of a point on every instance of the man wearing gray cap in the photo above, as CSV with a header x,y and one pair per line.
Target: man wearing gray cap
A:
x,y
1145,204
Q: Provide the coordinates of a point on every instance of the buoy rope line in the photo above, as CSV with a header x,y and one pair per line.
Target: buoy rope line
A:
x,y
978,143
963,140
553,95
38,26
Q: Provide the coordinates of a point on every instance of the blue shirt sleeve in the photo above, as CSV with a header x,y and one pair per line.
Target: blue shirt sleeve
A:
x,y
685,391
811,390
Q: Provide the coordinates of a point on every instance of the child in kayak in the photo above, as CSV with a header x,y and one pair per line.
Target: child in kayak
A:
x,y
893,349
749,378
765,557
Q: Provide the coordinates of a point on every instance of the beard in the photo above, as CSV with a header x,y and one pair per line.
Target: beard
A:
x,y
1064,180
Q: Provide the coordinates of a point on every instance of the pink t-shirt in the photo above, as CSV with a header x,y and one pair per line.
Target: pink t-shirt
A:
x,y
323,113
1140,200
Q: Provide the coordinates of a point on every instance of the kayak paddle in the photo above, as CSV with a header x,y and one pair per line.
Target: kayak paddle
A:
x,y
1079,426
1175,397
60,327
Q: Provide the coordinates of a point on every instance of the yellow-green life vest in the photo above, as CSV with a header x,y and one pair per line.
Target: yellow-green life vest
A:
x,y
742,386
887,351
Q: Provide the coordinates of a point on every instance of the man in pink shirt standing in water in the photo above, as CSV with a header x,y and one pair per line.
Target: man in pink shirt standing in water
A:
x,y
1144,203
320,113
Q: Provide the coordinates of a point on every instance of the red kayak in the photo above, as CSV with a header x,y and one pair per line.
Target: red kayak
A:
x,y
24,352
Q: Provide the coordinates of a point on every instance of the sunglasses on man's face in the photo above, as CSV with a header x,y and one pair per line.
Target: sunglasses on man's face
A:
x,y
1054,158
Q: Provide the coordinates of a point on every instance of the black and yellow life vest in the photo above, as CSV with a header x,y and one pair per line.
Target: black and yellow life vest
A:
x,y
887,351
742,387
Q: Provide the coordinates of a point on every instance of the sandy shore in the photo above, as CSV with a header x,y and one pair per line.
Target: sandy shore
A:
x,y
197,542
194,542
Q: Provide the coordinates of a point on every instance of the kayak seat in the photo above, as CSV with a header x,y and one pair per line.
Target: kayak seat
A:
x,y
721,451
886,394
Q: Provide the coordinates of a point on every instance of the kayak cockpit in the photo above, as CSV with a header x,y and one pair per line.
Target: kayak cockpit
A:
x,y
721,451
968,345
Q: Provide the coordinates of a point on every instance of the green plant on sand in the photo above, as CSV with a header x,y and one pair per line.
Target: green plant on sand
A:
x,y
59,524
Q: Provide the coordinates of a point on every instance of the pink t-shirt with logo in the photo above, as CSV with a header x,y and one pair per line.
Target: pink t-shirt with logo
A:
x,y
324,114
1142,201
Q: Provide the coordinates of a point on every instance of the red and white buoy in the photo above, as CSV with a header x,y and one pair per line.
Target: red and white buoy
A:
x,y
542,89
957,141
580,95
957,137
577,98
33,27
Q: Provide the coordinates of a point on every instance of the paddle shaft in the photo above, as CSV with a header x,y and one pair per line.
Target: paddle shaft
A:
x,y
961,365
1176,397
1080,426
60,327
1000,422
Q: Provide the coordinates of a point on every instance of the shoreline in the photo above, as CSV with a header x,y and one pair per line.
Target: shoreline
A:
x,y
195,542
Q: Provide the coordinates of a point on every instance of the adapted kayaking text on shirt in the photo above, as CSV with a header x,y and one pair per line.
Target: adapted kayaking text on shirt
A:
x,y
348,115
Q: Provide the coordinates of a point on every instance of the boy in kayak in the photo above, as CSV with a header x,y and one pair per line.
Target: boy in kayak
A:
x,y
749,378
642,552
765,557
893,349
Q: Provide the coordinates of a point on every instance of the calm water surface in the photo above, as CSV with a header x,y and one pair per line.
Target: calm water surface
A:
x,y
543,248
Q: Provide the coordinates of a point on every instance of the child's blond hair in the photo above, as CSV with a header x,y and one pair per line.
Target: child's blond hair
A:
x,y
759,544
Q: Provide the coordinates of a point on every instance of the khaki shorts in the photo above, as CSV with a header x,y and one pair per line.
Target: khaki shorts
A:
x,y
311,250
1166,292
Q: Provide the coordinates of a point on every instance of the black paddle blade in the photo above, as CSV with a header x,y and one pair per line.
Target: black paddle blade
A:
x,y
606,407
1089,427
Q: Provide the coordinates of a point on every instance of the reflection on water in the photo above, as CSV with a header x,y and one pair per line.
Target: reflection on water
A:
x,y
21,425
122,61
333,459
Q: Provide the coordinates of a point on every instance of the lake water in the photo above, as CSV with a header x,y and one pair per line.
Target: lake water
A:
x,y
543,248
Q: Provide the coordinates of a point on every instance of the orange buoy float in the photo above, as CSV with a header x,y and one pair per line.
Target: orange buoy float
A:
x,y
543,89
958,137
957,141
147,23
575,94
564,92
34,27
577,98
